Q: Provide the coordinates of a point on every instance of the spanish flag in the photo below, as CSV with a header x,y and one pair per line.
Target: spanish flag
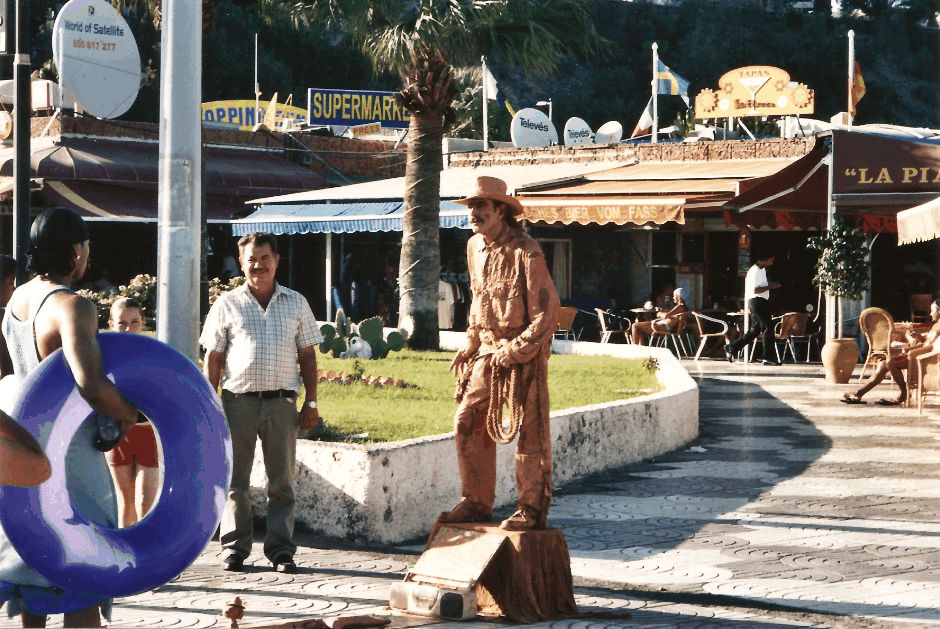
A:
x,y
857,90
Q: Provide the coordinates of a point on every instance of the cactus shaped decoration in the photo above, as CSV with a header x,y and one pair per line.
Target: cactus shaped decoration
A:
x,y
337,338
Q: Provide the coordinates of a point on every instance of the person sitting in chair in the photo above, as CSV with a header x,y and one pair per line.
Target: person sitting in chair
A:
x,y
666,321
898,364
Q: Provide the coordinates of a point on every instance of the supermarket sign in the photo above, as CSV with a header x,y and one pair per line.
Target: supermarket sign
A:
x,y
354,108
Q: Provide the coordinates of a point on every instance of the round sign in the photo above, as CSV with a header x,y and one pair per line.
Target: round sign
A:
x,y
6,125
97,57
531,128
577,132
609,133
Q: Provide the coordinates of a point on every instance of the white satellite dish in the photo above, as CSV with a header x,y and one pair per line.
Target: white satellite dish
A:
x,y
609,133
97,57
532,128
577,133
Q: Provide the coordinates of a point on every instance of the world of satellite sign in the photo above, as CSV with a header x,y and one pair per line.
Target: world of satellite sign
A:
x,y
353,108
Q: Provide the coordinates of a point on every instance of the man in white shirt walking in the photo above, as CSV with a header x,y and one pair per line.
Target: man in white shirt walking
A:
x,y
757,295
264,337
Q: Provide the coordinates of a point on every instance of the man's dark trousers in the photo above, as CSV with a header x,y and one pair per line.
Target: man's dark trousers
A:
x,y
759,310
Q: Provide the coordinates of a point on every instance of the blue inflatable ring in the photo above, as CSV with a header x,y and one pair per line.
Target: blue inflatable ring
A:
x,y
81,556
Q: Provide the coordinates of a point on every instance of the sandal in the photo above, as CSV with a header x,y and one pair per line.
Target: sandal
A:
x,y
851,398
884,402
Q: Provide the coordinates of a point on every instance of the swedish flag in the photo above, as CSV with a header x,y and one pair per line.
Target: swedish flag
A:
x,y
672,83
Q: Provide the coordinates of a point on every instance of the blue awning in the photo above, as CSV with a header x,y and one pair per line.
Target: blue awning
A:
x,y
341,218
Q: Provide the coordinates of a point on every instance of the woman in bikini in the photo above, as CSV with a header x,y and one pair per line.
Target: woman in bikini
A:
x,y
666,321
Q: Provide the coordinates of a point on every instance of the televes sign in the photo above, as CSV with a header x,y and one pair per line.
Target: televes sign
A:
x,y
353,108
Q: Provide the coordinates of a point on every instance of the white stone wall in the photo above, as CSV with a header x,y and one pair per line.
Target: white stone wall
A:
x,y
392,492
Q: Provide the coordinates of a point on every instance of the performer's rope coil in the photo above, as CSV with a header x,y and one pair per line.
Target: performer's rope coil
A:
x,y
501,394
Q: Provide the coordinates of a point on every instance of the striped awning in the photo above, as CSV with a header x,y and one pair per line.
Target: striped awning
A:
x,y
341,218
919,223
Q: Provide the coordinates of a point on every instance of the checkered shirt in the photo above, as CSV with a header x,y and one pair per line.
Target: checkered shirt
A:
x,y
260,345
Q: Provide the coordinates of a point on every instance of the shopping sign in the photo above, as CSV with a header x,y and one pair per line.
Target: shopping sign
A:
x,y
345,108
754,91
243,113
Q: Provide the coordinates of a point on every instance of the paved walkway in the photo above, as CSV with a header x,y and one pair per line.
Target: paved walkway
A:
x,y
791,510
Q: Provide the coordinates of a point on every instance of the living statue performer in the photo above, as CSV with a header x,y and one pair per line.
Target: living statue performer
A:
x,y
513,317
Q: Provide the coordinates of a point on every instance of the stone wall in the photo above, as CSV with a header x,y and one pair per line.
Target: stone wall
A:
x,y
367,159
392,492
638,153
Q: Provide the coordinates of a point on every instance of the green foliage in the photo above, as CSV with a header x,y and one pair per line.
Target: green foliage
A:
x,y
842,270
217,287
428,407
142,288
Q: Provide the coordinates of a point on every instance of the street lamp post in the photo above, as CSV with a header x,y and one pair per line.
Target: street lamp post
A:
x,y
546,103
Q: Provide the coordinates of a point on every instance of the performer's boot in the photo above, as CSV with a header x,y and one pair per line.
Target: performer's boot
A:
x,y
524,519
466,511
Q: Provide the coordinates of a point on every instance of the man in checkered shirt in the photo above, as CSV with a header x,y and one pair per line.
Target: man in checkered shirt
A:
x,y
264,338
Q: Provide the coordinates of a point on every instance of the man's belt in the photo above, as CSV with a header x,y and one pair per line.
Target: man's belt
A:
x,y
268,395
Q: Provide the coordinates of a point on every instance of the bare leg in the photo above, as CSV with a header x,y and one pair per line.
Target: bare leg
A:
x,y
148,479
88,617
876,377
640,331
30,620
124,483
898,376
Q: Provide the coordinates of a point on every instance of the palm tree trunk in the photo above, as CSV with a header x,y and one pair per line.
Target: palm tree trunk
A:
x,y
419,268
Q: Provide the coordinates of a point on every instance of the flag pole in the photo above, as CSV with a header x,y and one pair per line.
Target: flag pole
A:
x,y
851,73
655,91
486,128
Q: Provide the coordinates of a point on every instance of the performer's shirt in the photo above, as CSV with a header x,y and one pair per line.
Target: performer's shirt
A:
x,y
514,298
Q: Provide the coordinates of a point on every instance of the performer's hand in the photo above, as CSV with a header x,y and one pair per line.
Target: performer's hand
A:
x,y
460,359
309,417
125,430
501,357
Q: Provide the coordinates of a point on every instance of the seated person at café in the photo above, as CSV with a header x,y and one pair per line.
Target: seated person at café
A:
x,y
666,320
898,364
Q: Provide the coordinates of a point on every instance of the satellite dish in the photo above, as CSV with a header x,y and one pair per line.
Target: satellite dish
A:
x,y
6,125
531,128
577,132
609,133
97,57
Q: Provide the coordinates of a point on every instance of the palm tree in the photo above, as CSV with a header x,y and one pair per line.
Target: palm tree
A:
x,y
423,40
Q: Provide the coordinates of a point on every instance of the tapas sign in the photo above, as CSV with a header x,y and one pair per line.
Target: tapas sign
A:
x,y
754,91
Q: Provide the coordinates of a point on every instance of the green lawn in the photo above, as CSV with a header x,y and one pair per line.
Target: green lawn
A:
x,y
426,407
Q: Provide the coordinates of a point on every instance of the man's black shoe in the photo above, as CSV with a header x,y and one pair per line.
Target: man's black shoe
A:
x,y
729,353
285,564
772,363
233,563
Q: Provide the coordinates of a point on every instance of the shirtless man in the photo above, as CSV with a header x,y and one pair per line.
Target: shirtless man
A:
x,y
897,365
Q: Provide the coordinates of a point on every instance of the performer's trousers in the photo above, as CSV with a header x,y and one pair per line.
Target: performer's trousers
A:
x,y
476,452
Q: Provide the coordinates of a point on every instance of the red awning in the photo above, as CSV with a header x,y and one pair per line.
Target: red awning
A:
x,y
104,202
773,219
247,173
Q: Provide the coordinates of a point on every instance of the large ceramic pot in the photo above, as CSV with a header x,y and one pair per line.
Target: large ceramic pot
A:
x,y
839,357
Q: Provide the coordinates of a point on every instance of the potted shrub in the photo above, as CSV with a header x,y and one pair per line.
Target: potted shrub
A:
x,y
842,272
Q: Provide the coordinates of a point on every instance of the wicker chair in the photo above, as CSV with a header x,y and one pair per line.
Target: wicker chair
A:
x,y
877,325
566,323
790,331
920,308
923,374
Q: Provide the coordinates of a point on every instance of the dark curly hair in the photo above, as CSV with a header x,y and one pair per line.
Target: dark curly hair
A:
x,y
51,237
